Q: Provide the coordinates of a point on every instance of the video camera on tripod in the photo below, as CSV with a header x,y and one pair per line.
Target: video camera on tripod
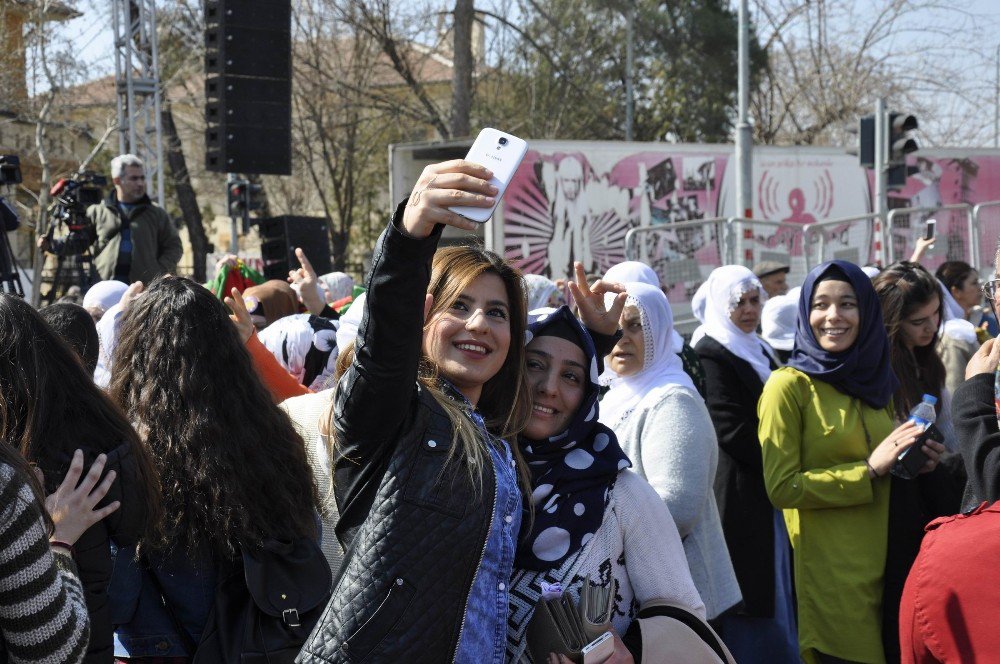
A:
x,y
72,198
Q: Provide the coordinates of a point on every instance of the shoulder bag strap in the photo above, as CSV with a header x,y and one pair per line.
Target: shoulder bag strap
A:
x,y
696,624
190,647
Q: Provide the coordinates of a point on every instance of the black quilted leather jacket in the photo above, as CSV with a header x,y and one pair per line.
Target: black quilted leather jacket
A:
x,y
413,526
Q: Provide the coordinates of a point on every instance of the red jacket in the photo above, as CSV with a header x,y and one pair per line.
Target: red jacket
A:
x,y
952,595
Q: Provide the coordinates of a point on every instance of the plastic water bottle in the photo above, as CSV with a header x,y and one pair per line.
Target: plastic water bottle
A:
x,y
923,413
908,463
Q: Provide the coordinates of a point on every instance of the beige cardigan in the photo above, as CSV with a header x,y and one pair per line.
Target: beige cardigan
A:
x,y
305,412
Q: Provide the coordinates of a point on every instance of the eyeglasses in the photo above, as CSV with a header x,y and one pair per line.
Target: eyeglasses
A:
x,y
990,289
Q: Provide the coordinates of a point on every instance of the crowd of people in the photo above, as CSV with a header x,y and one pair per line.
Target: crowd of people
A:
x,y
430,459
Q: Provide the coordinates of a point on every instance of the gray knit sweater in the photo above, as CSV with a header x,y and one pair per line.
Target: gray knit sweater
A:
x,y
43,614
671,441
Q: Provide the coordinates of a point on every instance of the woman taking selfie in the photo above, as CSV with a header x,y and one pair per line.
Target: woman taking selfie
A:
x,y
594,520
829,439
426,484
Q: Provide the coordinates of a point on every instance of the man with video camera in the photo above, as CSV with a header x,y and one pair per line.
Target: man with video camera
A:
x,y
134,240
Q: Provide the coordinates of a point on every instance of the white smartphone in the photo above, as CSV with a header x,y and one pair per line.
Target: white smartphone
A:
x,y
501,153
929,231
599,650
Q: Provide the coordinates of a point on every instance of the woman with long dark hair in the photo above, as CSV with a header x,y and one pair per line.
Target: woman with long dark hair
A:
x,y
51,408
911,308
426,482
829,438
233,471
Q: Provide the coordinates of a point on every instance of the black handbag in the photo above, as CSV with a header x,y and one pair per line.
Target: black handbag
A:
x,y
265,606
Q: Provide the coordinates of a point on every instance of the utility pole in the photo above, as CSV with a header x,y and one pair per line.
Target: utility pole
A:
x,y
881,181
744,132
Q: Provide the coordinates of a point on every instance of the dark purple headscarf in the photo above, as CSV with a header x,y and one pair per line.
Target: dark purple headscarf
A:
x,y
863,370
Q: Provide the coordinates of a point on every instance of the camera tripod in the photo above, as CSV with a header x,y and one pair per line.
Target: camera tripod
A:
x,y
72,269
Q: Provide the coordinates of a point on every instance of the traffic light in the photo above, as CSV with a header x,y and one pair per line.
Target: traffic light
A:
x,y
255,196
866,141
900,145
237,198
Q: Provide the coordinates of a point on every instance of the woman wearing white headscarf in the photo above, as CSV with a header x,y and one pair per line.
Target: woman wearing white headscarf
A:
x,y
665,429
737,364
640,272
102,296
542,292
337,285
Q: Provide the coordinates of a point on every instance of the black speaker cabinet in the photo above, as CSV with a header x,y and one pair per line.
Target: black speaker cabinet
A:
x,y
248,89
279,236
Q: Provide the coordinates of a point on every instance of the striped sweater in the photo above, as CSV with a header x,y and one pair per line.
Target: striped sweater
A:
x,y
43,614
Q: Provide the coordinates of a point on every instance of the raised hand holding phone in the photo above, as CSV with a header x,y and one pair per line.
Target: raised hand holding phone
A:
x,y
442,186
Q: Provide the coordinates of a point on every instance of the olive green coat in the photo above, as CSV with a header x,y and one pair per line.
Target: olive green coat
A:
x,y
814,450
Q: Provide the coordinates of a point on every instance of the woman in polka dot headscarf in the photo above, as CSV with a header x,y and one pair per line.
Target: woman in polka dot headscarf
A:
x,y
594,520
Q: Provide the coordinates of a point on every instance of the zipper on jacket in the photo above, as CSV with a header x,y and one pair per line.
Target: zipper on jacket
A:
x,y
479,565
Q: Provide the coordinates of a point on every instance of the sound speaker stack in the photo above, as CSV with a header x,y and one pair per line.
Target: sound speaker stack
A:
x,y
248,86
279,236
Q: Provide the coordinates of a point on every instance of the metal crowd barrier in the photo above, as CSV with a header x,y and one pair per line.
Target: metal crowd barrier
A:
x,y
964,232
837,238
986,222
958,243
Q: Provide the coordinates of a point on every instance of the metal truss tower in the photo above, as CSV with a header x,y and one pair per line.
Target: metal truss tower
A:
x,y
137,83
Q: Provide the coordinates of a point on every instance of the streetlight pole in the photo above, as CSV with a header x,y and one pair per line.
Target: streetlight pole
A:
x,y
744,135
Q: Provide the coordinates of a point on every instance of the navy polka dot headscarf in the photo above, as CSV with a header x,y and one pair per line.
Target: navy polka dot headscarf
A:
x,y
572,472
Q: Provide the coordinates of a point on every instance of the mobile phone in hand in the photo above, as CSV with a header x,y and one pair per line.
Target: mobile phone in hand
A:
x,y
502,154
929,230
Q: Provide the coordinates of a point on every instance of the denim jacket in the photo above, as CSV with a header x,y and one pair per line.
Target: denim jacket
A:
x,y
143,628
484,634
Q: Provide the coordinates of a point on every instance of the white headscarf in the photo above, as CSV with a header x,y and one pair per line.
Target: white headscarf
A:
x,y
779,319
291,340
661,365
350,321
698,304
539,290
724,288
953,322
634,271
104,294
107,338
338,285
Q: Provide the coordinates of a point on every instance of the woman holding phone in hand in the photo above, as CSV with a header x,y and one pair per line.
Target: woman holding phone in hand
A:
x,y
829,439
425,480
